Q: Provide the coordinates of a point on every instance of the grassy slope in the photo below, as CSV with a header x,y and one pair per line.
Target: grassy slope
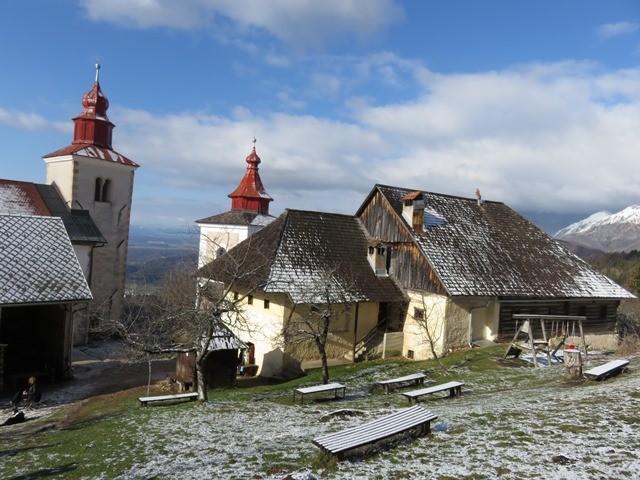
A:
x,y
509,412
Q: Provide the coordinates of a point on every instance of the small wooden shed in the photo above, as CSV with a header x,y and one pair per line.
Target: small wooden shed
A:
x,y
221,363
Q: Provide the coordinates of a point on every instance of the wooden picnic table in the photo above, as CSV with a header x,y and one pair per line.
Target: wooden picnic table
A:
x,y
367,434
318,389
455,389
415,378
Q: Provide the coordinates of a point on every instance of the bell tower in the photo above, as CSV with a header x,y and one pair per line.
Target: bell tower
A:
x,y
91,176
249,213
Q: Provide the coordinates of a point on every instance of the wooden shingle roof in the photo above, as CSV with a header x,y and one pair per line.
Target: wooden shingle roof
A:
x,y
488,249
295,253
27,198
38,262
237,217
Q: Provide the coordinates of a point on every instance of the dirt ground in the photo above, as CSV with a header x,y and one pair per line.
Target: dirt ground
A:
x,y
97,370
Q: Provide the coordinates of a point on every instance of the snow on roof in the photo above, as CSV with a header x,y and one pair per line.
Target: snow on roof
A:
x,y
38,262
21,198
26,198
92,151
311,256
490,250
238,217
224,339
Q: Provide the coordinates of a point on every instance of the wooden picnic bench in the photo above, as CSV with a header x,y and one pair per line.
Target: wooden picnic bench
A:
x,y
455,389
607,370
317,389
415,378
164,398
366,435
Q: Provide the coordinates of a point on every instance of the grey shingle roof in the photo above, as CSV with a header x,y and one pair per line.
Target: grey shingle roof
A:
x,y
238,217
26,198
490,250
294,253
37,262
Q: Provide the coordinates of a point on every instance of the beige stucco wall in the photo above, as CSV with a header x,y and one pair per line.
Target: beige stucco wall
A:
x,y
342,331
264,329
416,343
453,322
456,327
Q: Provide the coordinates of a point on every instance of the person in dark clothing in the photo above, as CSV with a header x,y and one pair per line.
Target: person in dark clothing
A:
x,y
30,395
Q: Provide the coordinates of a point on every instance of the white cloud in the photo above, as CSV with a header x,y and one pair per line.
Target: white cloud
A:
x,y
609,30
559,137
287,101
298,23
32,121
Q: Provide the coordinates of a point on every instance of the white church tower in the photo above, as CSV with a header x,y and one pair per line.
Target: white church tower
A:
x,y
91,176
249,213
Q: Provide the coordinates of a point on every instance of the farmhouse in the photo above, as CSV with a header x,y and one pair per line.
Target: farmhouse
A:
x,y
299,266
468,265
438,271
41,284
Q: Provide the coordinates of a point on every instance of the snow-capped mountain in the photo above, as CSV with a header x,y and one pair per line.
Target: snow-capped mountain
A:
x,y
610,232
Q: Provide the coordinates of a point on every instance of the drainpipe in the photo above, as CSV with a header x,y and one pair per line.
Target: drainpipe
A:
x,y
471,309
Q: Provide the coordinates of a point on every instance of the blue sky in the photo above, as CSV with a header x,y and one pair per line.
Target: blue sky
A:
x,y
537,104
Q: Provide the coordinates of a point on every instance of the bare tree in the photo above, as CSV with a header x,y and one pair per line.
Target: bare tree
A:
x,y
324,302
430,321
190,309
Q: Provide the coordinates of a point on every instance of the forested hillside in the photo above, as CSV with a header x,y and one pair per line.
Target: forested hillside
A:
x,y
623,268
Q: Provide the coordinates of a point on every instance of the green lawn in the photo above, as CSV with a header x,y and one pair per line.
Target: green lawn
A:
x,y
512,421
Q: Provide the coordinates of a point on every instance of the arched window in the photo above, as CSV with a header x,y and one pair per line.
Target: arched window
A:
x,y
106,191
97,195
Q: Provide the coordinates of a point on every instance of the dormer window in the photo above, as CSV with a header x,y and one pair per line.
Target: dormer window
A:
x,y
379,257
413,211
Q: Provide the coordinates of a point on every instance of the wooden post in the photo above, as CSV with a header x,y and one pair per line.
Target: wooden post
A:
x,y
533,345
584,342
573,364
384,345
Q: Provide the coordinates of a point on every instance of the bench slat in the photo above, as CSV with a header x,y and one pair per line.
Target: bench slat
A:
x,y
319,388
434,389
376,430
358,438
160,398
405,418
601,370
407,378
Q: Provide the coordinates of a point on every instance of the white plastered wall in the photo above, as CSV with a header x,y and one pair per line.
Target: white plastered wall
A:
x,y
213,237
